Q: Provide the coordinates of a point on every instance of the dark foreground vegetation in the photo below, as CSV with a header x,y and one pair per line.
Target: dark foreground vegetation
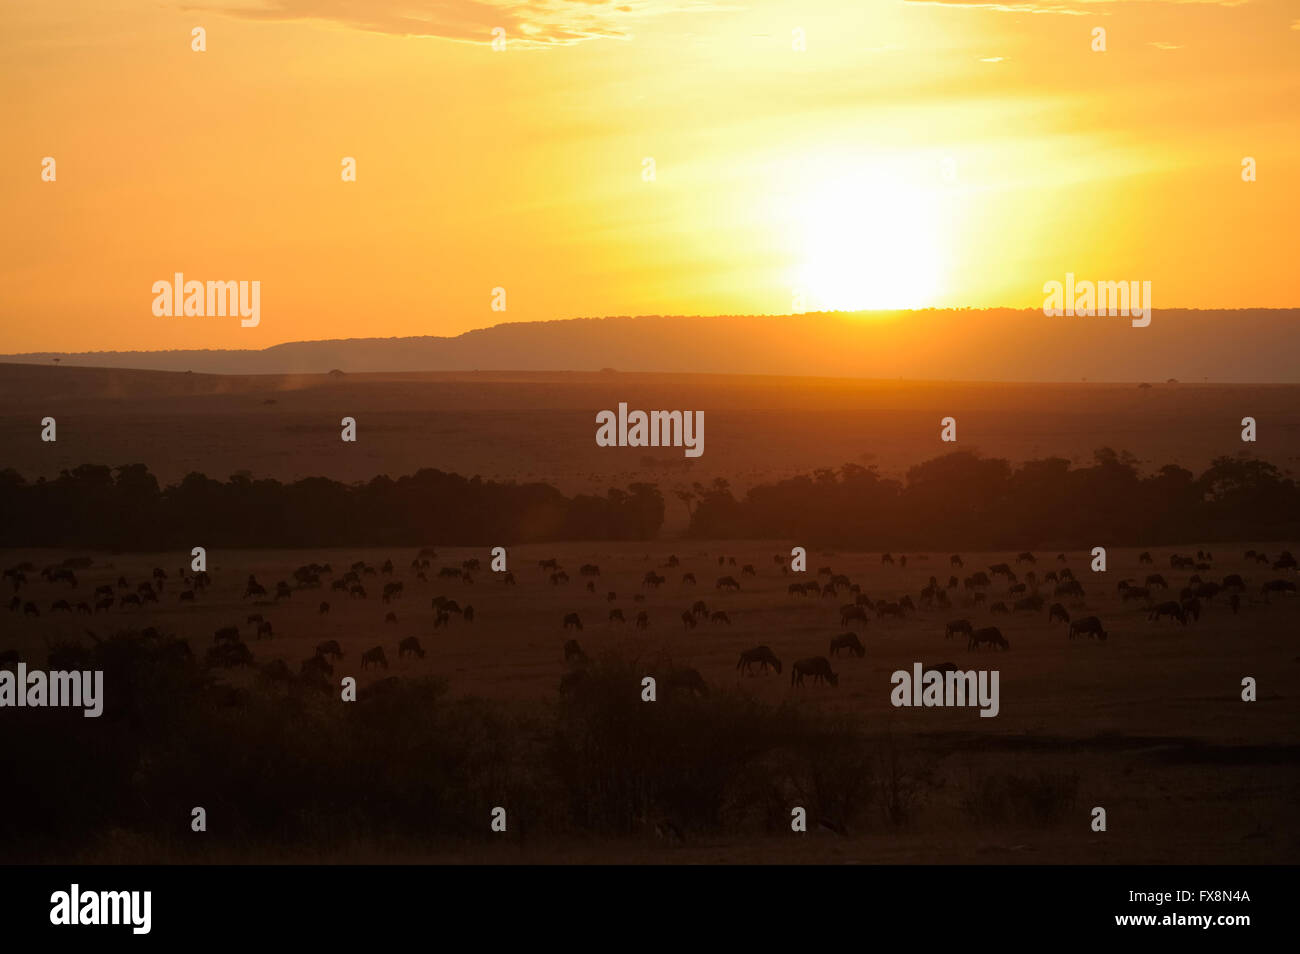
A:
x,y
285,765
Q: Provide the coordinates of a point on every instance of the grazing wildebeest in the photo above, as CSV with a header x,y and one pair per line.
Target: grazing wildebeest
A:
x,y
329,647
999,607
230,655
410,645
574,620
1156,580
851,611
957,626
1136,593
467,614
1017,589
761,655
254,589
611,596
283,591
989,634
227,634
976,580
60,605
748,570
850,642
1207,591
642,620
1233,581
700,608
884,558
390,617
253,618
324,608
688,619
727,583
718,616
1058,612
652,579
1033,604
1070,588
573,651
616,616
107,602
687,680
84,607
441,618
864,601
1171,609
392,591
357,592
1026,557
374,657
1001,569
264,629
1087,626
1277,586
688,578
819,667
1192,608
956,561
884,608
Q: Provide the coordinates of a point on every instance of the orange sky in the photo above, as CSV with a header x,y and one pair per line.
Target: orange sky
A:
x,y
914,154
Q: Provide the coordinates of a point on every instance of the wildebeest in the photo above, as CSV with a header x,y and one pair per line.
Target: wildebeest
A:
x,y
226,634
1171,609
392,591
467,614
1192,608
390,617
761,655
616,616
1277,586
850,642
851,611
727,583
1026,557
957,626
955,560
317,666
1156,580
329,647
652,580
1032,604
410,645
642,620
1058,612
989,634
324,608
999,607
688,619
574,620
264,629
819,667
718,616
1087,626
573,651
685,679
374,657
688,578
1136,593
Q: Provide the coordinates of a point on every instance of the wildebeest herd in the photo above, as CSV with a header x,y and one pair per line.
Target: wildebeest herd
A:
x,y
298,622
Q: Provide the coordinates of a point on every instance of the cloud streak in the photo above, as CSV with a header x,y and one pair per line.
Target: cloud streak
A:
x,y
534,23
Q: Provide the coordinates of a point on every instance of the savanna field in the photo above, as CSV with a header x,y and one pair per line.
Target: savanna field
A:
x,y
1148,722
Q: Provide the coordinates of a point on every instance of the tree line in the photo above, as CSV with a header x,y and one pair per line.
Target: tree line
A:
x,y
964,500
125,508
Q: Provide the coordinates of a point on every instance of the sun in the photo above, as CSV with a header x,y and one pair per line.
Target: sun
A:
x,y
871,240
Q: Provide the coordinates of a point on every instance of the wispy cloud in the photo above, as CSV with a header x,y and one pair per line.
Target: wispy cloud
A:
x,y
1162,45
526,22
1074,8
